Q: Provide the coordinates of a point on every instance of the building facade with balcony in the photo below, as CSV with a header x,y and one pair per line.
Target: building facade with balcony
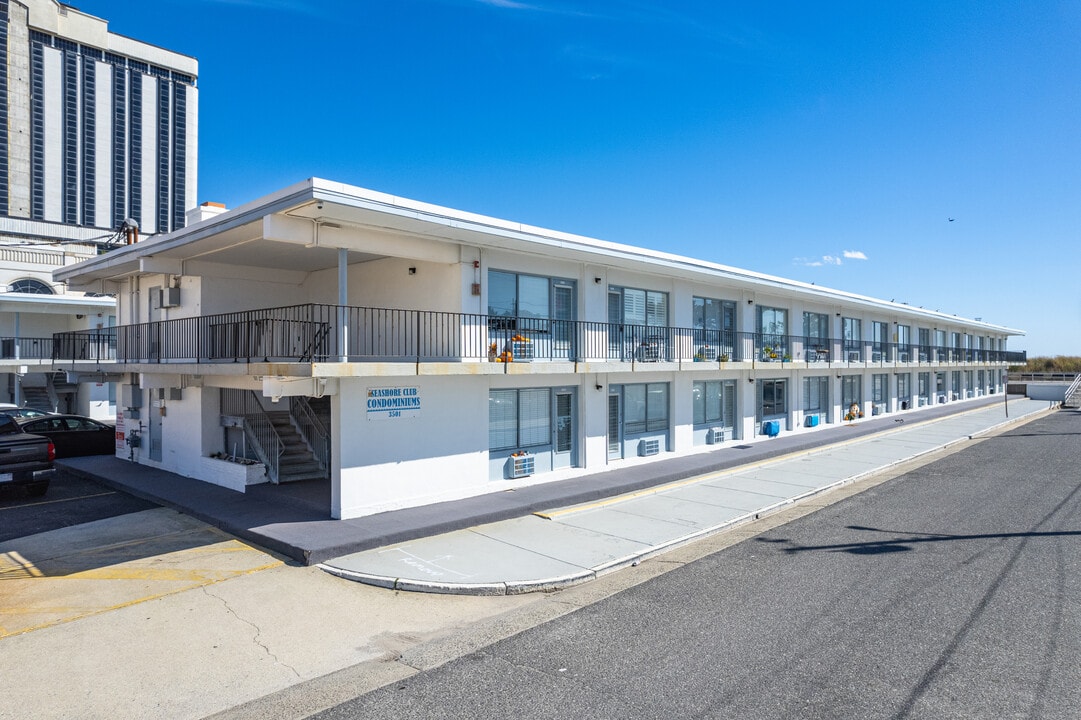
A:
x,y
407,354
97,131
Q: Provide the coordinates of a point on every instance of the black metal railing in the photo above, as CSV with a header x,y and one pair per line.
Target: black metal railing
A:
x,y
21,348
332,333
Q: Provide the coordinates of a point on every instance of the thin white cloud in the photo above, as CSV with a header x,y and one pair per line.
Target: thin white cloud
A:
x,y
544,6
817,262
855,255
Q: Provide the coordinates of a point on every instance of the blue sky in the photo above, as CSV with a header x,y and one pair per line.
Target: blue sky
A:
x,y
828,142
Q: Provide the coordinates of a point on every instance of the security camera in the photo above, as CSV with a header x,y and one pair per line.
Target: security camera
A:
x,y
319,205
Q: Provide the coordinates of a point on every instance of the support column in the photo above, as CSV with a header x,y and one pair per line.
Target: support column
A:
x,y
343,301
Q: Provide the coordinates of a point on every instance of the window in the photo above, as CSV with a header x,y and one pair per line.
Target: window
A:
x,y
519,418
514,295
924,390
645,408
880,333
851,391
715,325
880,388
772,321
852,335
773,397
32,286
816,326
816,394
904,340
637,307
714,402
773,330
904,388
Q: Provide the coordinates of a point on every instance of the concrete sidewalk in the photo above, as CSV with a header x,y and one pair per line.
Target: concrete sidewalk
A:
x,y
294,519
569,545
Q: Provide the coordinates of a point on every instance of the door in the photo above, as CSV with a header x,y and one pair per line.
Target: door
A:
x,y
615,325
564,440
153,330
154,422
563,330
615,426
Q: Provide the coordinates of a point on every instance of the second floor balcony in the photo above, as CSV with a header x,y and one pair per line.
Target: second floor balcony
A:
x,y
314,333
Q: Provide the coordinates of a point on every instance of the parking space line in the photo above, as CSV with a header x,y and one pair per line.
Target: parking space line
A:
x,y
53,502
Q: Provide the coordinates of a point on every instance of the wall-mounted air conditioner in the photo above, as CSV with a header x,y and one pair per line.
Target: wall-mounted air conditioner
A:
x,y
165,298
648,447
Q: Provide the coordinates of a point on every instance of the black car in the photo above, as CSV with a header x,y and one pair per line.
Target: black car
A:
x,y
23,412
25,460
73,435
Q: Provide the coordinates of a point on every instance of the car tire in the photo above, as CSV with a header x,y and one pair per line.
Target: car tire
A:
x,y
37,489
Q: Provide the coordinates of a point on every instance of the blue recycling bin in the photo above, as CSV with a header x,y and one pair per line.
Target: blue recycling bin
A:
x,y
771,428
812,421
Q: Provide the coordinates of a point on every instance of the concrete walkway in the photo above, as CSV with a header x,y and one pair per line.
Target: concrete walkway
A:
x,y
294,520
568,545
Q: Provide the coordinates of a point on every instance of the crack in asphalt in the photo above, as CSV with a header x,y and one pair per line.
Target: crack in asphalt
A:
x,y
256,636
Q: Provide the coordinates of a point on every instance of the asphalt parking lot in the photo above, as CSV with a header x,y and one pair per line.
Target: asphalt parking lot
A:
x,y
69,501
84,549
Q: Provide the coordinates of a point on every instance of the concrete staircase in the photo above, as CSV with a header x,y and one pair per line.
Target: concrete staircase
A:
x,y
38,399
297,462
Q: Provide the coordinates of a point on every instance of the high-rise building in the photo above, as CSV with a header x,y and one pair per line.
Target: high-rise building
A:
x,y
97,132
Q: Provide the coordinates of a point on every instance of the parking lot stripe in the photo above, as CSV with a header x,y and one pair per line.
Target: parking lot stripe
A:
x,y
53,502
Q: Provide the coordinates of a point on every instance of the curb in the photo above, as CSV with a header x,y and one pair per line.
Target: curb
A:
x,y
561,582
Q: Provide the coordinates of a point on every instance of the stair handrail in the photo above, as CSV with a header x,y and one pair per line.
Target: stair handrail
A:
x,y
1072,390
311,428
258,429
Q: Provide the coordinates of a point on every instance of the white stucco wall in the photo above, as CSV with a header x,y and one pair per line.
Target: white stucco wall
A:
x,y
440,454
387,283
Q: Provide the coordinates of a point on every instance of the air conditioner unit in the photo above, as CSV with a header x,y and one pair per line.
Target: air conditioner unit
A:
x,y
715,436
648,447
853,356
167,298
131,396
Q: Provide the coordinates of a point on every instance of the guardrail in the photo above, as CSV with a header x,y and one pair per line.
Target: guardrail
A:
x,y
332,333
23,348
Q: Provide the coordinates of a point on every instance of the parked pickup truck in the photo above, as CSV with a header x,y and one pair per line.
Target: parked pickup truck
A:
x,y
25,460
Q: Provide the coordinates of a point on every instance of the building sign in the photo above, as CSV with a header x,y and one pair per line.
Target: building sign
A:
x,y
120,442
392,403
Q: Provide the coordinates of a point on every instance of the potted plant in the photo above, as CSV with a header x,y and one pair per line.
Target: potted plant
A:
x,y
724,357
